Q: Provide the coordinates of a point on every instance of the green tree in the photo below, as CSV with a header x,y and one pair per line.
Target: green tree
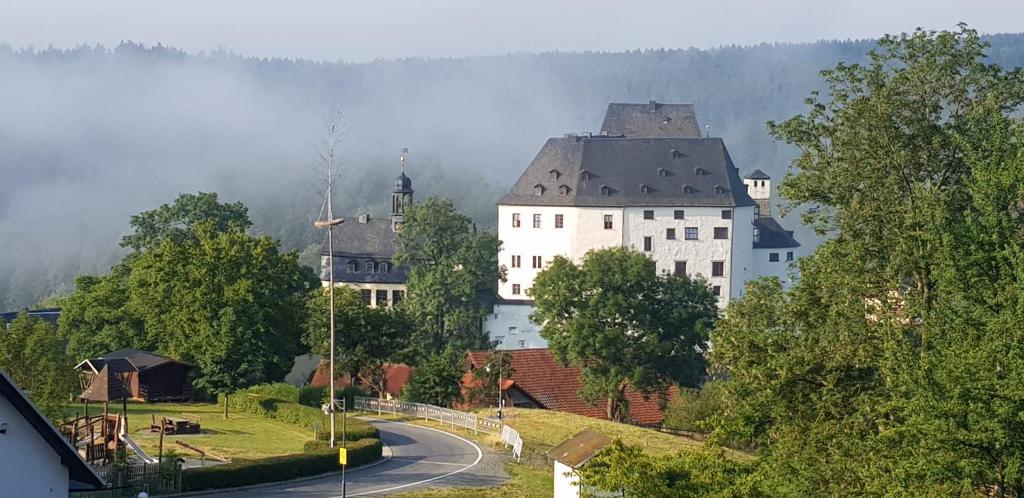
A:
x,y
365,338
95,319
453,276
33,355
438,380
229,303
893,366
623,324
627,470
175,222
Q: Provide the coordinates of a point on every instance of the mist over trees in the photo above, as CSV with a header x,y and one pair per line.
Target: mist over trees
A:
x,y
92,135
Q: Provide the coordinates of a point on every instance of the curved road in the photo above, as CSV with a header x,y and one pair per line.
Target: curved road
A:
x,y
421,457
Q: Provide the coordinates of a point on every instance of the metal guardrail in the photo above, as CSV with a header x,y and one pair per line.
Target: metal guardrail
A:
x,y
446,416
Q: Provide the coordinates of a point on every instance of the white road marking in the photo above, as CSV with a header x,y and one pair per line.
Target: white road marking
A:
x,y
427,461
479,456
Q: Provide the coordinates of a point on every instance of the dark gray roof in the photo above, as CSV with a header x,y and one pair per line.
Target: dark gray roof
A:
x,y
141,360
773,236
758,175
632,171
49,314
357,241
651,120
80,475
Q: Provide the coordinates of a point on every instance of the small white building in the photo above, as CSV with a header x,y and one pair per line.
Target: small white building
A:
x,y
572,454
648,181
35,458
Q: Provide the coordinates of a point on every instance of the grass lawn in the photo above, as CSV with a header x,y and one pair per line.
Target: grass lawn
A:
x,y
541,430
241,435
526,481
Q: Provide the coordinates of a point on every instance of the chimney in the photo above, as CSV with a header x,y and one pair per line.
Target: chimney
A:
x,y
652,106
364,218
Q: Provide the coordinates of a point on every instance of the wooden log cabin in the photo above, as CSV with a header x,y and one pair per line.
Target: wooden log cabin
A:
x,y
155,377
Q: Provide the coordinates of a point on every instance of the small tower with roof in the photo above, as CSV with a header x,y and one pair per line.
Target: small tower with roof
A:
x,y
759,188
401,196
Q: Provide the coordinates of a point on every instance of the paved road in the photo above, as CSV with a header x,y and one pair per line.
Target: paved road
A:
x,y
421,458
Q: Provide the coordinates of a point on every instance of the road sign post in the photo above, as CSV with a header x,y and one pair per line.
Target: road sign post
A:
x,y
343,461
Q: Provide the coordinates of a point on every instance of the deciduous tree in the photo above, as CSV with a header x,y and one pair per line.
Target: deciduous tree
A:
x,y
453,276
623,324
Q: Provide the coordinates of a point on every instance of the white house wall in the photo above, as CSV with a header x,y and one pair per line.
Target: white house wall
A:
x,y
582,230
510,326
764,267
698,254
30,466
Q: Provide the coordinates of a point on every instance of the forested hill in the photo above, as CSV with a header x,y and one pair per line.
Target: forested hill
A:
x,y
90,136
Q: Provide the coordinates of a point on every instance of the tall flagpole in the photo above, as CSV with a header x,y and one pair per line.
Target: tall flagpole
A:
x,y
329,225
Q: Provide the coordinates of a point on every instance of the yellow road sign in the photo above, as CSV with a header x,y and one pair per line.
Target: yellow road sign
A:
x,y
343,456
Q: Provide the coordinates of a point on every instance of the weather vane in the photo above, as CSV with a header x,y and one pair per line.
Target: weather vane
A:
x,y
405,150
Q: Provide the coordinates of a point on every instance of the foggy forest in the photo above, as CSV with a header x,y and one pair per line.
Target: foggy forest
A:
x,y
92,135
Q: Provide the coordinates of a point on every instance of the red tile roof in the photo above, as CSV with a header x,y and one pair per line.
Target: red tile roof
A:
x,y
537,374
398,376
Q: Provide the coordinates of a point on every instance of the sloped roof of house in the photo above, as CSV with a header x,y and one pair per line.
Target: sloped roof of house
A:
x,y
758,175
108,385
580,448
772,235
651,120
79,472
137,360
363,239
613,171
537,374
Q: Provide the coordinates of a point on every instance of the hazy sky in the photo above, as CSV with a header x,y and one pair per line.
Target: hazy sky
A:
x,y
369,29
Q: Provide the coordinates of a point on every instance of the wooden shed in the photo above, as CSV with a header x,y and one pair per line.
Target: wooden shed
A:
x,y
150,377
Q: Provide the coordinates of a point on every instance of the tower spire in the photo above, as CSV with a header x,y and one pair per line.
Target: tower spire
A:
x,y
401,195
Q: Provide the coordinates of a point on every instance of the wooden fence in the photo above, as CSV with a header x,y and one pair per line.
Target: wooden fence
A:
x,y
129,479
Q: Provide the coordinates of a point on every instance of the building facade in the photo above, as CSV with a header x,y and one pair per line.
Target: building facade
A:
x,y
364,251
648,181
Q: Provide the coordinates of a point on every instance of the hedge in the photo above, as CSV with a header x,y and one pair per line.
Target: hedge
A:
x,y
279,468
294,413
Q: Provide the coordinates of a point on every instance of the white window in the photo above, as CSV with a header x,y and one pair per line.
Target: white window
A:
x,y
607,222
537,262
515,220
517,261
515,289
536,221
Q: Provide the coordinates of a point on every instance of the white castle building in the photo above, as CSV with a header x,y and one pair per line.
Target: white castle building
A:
x,y
648,181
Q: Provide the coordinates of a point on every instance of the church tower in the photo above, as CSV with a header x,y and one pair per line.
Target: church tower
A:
x,y
401,196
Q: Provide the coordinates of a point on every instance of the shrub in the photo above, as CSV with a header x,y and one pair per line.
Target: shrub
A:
x,y
280,468
279,390
312,396
294,413
693,407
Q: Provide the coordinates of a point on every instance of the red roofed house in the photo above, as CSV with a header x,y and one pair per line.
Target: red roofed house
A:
x,y
397,376
538,381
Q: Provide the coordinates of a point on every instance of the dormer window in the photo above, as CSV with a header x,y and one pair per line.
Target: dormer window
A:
x,y
554,174
719,189
688,189
564,190
666,120
382,267
605,190
586,175
662,172
353,266
538,189
675,153
369,267
757,235
644,188
699,171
